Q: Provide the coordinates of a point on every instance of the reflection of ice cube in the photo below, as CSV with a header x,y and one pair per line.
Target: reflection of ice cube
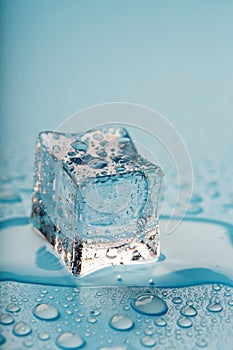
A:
x,y
93,195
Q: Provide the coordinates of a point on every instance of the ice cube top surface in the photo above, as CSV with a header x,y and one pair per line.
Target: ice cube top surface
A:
x,y
96,153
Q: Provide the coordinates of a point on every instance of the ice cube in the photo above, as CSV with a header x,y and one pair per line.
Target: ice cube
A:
x,y
95,199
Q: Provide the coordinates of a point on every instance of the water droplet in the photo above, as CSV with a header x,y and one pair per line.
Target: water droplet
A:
x,y
22,329
201,343
101,154
28,343
150,305
70,341
151,282
95,312
97,163
6,319
92,320
189,311
46,312
119,278
177,300
13,308
2,339
120,169
160,322
98,136
56,149
184,322
121,322
43,335
148,341
214,307
79,146
111,253
216,287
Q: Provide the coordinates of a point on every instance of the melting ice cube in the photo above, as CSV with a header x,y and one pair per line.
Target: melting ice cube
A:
x,y
95,199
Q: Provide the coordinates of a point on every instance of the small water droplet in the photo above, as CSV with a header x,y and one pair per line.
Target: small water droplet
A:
x,y
46,312
12,308
111,253
119,278
160,322
79,146
22,329
28,343
98,136
201,343
6,319
216,287
97,163
121,322
56,149
95,312
69,340
92,320
177,300
101,154
150,305
148,341
43,335
184,322
189,311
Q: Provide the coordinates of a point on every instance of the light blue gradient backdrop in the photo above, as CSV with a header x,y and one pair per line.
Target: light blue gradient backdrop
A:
x,y
174,56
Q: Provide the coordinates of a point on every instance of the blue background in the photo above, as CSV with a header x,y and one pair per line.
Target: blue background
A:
x,y
174,56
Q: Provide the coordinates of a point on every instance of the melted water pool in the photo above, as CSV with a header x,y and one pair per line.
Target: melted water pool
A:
x,y
180,302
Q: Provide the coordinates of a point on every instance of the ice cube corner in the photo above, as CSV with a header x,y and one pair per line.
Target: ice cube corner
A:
x,y
95,199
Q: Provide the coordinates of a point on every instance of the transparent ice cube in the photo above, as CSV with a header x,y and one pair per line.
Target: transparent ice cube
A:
x,y
95,199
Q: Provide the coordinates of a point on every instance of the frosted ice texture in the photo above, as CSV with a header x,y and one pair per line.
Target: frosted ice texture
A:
x,y
95,199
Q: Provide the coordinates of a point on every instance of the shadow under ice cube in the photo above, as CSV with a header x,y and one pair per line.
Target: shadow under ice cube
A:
x,y
95,199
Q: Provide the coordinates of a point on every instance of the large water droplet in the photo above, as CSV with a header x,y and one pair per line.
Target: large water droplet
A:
x,y
148,341
189,311
70,341
121,322
150,305
214,307
46,312
184,322
6,319
22,329
79,146
12,308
